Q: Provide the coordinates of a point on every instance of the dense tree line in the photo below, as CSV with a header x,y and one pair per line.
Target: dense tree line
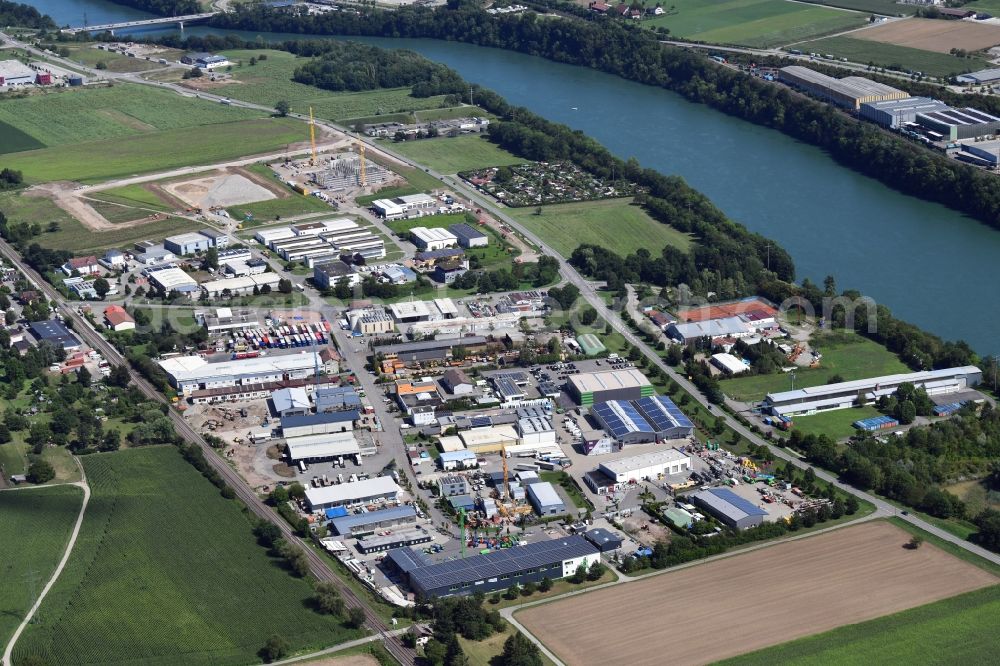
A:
x,y
635,54
163,7
355,67
24,16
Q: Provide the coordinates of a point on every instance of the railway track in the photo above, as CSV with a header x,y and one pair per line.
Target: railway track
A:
x,y
318,567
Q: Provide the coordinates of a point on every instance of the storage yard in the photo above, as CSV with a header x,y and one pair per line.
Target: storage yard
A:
x,y
845,576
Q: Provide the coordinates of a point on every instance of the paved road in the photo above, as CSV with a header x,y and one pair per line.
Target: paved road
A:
x,y
6,661
317,565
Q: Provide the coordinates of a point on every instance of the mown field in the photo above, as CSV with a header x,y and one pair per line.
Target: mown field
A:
x,y
72,115
854,358
886,7
35,524
270,80
611,223
166,571
892,56
98,161
835,423
13,140
454,154
756,23
960,630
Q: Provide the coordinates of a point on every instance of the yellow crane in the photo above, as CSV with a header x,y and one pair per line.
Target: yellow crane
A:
x,y
312,137
363,174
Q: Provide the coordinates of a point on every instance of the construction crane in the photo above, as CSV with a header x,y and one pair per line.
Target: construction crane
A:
x,y
506,482
362,173
312,137
461,526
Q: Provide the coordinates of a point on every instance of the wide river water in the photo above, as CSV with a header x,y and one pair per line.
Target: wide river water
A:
x,y
930,265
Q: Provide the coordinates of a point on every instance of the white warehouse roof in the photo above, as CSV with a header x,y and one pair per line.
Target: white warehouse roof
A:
x,y
544,494
347,492
187,368
323,446
434,234
626,465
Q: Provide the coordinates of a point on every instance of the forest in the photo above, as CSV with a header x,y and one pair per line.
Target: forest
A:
x,y
355,67
24,16
635,54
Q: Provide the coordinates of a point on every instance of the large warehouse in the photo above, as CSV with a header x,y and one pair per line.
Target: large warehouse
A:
x,y
434,238
323,423
849,92
844,394
588,388
498,570
322,448
894,113
727,327
360,524
642,421
352,494
191,373
955,124
545,499
729,508
647,466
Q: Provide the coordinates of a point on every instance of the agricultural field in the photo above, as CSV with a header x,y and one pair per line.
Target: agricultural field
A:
x,y
835,423
270,80
884,7
952,631
157,151
828,580
13,140
71,115
73,235
755,23
611,223
452,155
852,358
891,56
167,571
36,524
934,35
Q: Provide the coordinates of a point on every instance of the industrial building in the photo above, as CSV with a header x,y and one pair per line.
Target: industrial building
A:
x,y
988,151
320,424
894,113
535,427
727,327
336,399
344,171
954,124
489,440
456,382
397,208
329,275
189,243
648,466
498,570
729,508
426,351
849,92
394,540
370,321
149,254
239,286
589,388
192,373
367,491
434,238
362,524
729,364
453,485
55,332
604,540
468,236
642,421
16,73
452,460
982,77
322,448
291,402
172,279
545,499
225,319
845,394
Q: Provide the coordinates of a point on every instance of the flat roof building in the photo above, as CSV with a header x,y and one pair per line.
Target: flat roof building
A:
x,y
894,113
172,278
189,243
729,364
727,327
322,448
319,424
955,124
56,333
981,77
545,499
237,286
845,394
604,540
424,351
498,570
468,236
434,238
362,524
489,440
588,388
849,92
647,466
336,398
291,402
642,421
463,459
191,373
397,208
351,494
984,150
729,508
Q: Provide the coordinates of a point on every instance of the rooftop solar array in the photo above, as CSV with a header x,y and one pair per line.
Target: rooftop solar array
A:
x,y
407,559
480,422
506,387
728,503
663,413
621,418
516,377
500,563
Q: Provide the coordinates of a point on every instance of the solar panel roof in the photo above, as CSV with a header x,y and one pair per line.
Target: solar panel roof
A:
x,y
500,563
480,422
621,418
663,413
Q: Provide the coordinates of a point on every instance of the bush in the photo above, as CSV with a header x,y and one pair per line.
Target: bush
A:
x,y
41,471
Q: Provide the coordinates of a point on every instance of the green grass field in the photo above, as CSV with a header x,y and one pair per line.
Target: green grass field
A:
x,y
452,155
857,359
611,223
132,195
835,423
166,571
885,7
497,253
36,525
73,115
896,57
756,23
960,630
73,236
270,80
13,140
98,161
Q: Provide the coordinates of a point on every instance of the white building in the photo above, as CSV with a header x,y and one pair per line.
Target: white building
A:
x,y
240,285
15,73
377,490
192,373
647,466
434,238
170,279
727,327
536,430
268,236
397,208
323,447
729,364
291,402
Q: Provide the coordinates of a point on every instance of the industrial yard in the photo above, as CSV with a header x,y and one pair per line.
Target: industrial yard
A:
x,y
846,576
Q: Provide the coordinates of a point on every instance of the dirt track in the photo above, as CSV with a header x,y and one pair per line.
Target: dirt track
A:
x,y
747,602
933,35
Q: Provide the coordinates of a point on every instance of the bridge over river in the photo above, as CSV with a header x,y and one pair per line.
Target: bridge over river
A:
x,y
165,20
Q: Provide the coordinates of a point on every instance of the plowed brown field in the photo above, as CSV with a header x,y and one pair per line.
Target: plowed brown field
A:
x,y
746,602
933,35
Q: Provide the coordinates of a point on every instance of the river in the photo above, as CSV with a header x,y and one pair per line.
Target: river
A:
x,y
929,264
